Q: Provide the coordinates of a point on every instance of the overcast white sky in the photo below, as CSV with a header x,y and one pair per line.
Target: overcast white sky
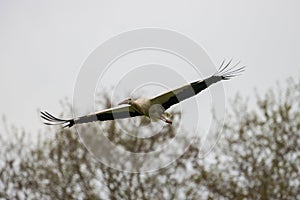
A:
x,y
44,43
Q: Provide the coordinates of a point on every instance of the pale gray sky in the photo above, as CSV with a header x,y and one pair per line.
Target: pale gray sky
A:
x,y
44,43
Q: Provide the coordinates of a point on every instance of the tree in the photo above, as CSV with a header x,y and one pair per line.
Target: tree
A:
x,y
257,157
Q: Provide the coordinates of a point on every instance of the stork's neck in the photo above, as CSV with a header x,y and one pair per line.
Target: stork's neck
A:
x,y
136,106
141,105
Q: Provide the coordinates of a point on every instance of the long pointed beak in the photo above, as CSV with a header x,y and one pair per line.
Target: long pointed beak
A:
x,y
165,119
126,101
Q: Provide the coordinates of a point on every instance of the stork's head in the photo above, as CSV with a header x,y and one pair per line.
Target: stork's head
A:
x,y
126,101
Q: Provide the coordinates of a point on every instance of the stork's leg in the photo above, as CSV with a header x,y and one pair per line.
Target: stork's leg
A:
x,y
164,117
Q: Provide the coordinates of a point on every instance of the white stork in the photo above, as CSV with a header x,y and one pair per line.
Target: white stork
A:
x,y
153,108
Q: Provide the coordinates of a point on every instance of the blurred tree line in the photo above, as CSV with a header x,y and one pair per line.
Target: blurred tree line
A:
x,y
257,157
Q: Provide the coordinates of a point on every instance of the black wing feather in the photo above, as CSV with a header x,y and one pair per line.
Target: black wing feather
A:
x,y
187,92
109,114
117,113
171,98
51,120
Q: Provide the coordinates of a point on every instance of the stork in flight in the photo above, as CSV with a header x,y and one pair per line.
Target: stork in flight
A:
x,y
153,108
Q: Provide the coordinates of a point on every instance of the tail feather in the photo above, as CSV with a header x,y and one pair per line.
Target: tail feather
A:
x,y
52,120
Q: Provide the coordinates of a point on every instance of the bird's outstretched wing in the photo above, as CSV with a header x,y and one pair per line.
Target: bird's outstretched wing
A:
x,y
104,115
173,97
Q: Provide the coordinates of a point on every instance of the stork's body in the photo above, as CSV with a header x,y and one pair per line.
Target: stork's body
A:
x,y
149,108
153,108
141,105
